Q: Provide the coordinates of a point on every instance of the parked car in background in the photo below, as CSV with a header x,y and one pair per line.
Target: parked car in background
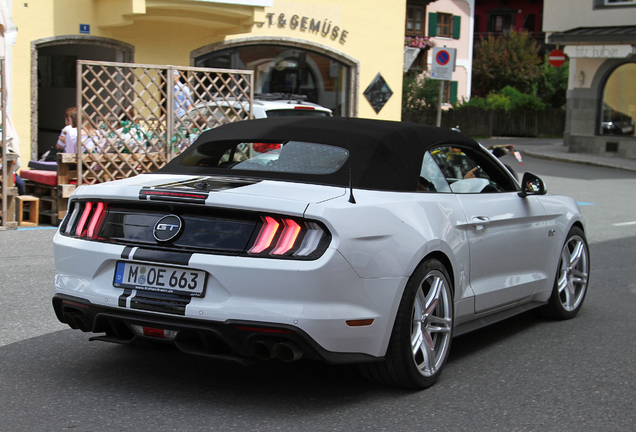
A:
x,y
615,122
207,114
353,241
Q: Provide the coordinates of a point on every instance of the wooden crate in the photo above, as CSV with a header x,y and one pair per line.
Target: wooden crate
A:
x,y
52,206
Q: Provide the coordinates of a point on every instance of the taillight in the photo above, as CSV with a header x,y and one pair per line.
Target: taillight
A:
x,y
265,147
279,237
84,219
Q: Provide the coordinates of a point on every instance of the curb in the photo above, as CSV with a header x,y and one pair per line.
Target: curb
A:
x,y
574,159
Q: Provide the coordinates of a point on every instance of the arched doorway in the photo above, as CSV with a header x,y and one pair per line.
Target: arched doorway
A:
x,y
292,66
54,65
618,102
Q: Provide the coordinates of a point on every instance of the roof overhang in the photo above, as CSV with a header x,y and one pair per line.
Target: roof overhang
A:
x,y
595,35
226,17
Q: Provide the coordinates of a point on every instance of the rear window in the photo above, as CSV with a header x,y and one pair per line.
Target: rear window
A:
x,y
296,113
287,157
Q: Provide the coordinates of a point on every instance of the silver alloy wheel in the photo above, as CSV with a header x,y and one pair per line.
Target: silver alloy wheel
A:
x,y
432,323
573,273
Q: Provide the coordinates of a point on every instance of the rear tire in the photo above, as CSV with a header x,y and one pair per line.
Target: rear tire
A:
x,y
421,337
571,281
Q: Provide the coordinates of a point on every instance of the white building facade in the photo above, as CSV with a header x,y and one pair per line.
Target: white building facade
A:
x,y
599,37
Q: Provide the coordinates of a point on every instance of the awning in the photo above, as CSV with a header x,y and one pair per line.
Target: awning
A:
x,y
226,17
595,35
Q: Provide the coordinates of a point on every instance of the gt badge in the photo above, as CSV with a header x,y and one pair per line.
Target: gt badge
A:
x,y
167,228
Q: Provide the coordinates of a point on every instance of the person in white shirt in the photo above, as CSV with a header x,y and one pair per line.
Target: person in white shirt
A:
x,y
67,141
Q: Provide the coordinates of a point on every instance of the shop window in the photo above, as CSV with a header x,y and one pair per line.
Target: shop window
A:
x,y
288,70
618,107
444,25
415,20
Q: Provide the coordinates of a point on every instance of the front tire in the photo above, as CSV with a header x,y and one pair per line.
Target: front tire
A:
x,y
570,285
421,337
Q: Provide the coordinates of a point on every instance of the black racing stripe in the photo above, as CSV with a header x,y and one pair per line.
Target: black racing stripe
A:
x,y
152,255
124,296
126,252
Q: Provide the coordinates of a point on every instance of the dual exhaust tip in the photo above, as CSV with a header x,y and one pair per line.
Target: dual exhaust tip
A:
x,y
77,320
268,349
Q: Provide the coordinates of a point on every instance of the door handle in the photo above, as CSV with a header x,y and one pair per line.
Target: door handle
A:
x,y
480,222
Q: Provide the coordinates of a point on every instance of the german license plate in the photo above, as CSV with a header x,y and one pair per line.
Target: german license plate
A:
x,y
171,280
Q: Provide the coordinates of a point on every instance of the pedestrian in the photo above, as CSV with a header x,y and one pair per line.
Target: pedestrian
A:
x,y
182,96
67,141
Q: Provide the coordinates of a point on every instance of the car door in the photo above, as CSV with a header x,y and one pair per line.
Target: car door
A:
x,y
507,234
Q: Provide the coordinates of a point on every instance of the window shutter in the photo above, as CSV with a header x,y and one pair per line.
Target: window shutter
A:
x,y
432,24
453,92
457,21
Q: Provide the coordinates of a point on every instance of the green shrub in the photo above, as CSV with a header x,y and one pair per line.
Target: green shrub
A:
x,y
508,98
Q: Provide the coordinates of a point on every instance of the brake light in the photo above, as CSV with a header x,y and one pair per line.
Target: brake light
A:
x,y
304,107
265,147
266,235
82,222
98,214
287,237
85,219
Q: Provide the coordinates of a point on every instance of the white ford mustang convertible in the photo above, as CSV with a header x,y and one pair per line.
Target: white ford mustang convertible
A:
x,y
344,240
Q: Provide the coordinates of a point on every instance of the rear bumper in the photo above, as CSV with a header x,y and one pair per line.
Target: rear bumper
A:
x,y
231,340
314,299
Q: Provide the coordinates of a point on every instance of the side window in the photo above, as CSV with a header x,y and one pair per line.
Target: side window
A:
x,y
466,172
431,178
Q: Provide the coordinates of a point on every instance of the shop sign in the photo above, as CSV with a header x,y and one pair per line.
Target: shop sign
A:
x,y
306,24
599,51
378,93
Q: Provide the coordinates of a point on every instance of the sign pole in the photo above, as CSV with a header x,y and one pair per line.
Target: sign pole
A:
x,y
439,103
442,68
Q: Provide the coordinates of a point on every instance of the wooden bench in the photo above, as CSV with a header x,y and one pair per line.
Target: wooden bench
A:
x,y
97,168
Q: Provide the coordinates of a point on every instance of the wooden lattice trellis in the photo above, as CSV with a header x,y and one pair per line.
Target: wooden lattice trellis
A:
x,y
134,118
8,191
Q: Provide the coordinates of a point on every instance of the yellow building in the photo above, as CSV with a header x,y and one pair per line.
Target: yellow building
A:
x,y
332,51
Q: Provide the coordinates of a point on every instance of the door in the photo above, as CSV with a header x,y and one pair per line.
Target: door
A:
x,y
507,234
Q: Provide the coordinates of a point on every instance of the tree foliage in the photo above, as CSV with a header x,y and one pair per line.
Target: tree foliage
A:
x,y
419,91
511,59
552,84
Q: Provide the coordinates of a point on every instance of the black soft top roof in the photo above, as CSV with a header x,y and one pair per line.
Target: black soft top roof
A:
x,y
384,155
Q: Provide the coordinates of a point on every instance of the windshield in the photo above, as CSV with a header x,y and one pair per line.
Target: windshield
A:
x,y
287,157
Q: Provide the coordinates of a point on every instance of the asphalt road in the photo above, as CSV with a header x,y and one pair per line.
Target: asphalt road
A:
x,y
524,374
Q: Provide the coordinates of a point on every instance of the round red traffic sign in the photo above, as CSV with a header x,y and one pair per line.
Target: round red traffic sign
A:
x,y
442,57
556,58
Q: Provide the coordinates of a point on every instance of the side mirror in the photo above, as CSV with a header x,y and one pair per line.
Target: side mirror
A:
x,y
531,184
